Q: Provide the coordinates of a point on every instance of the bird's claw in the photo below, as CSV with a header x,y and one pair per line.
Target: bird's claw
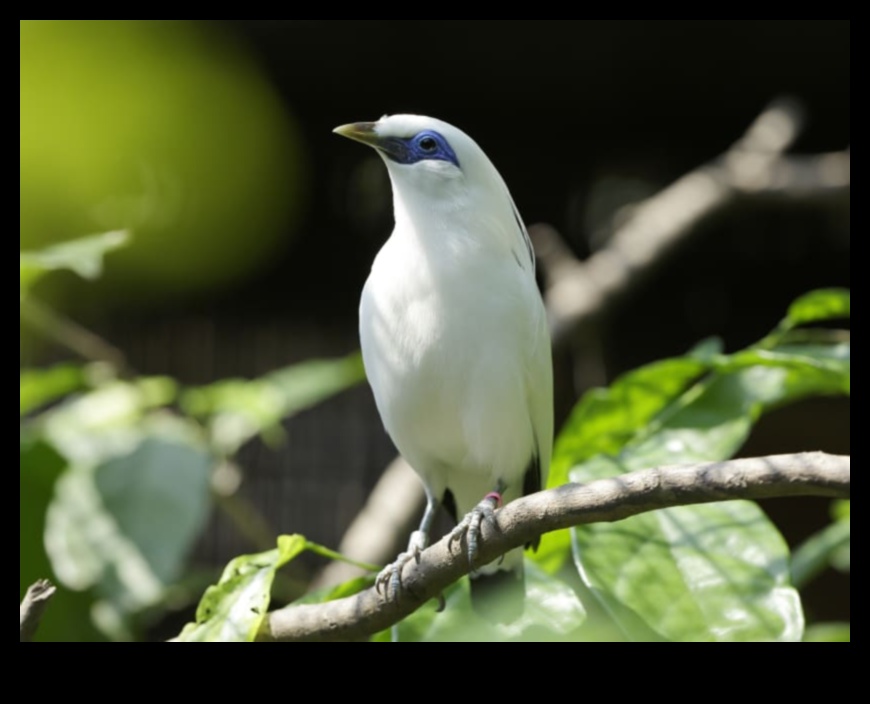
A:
x,y
470,526
389,580
388,583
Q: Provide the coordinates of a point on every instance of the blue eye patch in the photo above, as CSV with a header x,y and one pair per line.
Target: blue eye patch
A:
x,y
427,144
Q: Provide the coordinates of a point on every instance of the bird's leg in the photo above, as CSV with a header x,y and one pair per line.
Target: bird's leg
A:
x,y
469,527
389,580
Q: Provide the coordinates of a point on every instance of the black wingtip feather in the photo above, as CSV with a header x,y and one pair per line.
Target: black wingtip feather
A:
x,y
532,483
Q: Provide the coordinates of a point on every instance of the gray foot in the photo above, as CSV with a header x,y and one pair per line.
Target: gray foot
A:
x,y
469,527
389,579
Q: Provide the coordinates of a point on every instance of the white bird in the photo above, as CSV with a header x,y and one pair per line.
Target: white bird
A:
x,y
455,339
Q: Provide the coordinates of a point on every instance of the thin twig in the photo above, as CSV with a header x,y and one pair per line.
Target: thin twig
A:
x,y
71,335
523,520
32,607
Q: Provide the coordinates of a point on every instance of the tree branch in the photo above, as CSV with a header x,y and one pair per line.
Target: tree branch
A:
x,y
605,500
31,609
642,236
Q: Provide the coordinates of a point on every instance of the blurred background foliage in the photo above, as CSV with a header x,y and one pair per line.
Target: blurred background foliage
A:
x,y
164,127
237,232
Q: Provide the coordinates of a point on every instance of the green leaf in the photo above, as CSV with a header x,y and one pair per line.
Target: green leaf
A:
x,y
106,421
814,307
234,609
159,498
552,612
820,305
697,573
125,525
830,546
604,421
707,350
133,497
834,632
83,256
811,369
39,387
710,572
237,410
841,510
713,572
68,619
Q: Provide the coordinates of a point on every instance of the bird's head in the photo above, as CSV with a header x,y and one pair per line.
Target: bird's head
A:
x,y
442,181
427,156
411,140
416,142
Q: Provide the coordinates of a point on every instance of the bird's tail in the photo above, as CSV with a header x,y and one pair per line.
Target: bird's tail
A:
x,y
498,591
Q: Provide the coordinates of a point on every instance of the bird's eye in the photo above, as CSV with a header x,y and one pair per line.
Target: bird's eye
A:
x,y
428,144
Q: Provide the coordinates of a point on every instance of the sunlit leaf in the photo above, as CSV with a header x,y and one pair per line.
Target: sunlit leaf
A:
x,y
233,609
811,369
817,306
712,572
841,510
39,387
125,525
716,572
604,421
134,496
83,256
820,305
829,633
238,410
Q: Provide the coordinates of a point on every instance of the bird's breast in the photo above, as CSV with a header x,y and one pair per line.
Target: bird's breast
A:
x,y
444,347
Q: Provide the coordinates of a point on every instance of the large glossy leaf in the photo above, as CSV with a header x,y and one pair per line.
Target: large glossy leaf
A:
x,y
83,256
237,410
605,420
133,497
126,525
718,571
233,609
712,572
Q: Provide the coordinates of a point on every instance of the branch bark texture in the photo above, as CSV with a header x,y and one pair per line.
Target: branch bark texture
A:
x,y
605,500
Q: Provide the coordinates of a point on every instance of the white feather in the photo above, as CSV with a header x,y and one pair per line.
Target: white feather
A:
x,y
453,330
